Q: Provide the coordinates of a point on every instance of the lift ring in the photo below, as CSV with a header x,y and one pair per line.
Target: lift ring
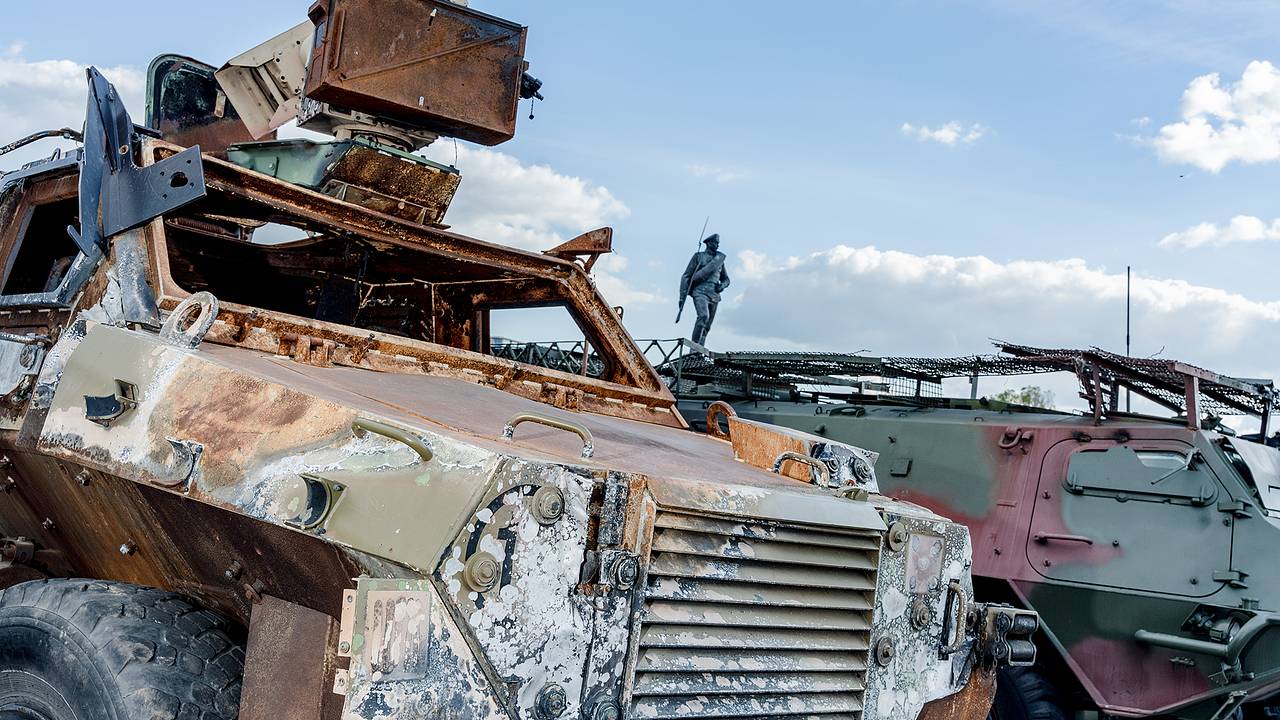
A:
x,y
184,331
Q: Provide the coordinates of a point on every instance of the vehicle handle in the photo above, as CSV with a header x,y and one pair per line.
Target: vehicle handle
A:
x,y
1043,538
823,471
955,591
588,443
714,411
394,433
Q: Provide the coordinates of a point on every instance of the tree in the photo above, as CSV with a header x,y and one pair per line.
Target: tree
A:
x,y
1030,395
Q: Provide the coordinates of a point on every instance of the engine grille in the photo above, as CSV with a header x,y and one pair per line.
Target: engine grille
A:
x,y
755,620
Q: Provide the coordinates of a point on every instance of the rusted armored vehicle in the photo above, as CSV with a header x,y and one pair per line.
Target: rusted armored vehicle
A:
x,y
1145,542
260,462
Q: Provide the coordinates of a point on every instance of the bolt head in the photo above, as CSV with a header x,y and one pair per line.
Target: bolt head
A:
x,y
551,702
625,572
885,651
548,505
606,710
481,572
129,547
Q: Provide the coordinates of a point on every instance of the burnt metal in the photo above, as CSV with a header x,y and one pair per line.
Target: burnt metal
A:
x,y
585,248
289,662
453,70
186,106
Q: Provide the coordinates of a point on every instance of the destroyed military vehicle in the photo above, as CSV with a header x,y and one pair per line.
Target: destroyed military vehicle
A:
x,y
259,461
1145,543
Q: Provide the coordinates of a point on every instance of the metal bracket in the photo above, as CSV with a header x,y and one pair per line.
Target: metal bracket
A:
x,y
106,409
115,193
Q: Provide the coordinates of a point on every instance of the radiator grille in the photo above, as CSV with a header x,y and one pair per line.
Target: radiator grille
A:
x,y
755,620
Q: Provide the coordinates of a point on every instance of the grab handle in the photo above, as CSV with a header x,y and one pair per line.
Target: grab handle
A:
x,y
394,433
818,465
588,443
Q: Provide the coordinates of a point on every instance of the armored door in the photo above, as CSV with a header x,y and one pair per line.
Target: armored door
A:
x,y
1141,516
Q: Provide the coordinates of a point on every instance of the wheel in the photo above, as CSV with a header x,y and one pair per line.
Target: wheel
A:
x,y
1024,694
84,649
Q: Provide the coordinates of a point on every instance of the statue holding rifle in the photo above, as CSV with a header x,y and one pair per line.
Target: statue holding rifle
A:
x,y
703,280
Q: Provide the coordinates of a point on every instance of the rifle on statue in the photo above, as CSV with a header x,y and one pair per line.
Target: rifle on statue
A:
x,y
683,293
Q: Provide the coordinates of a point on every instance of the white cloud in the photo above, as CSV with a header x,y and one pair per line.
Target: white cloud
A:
x,y
1241,229
897,303
949,134
1221,124
533,207
712,172
1141,121
50,94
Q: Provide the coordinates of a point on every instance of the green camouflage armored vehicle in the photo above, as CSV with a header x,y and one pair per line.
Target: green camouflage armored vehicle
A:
x,y
260,462
1144,542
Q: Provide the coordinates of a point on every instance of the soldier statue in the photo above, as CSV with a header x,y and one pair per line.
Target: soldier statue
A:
x,y
703,280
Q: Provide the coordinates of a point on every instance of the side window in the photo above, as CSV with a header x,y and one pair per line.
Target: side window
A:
x,y
43,251
1159,476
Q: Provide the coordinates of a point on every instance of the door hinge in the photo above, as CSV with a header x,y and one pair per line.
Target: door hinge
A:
x,y
1234,578
1237,508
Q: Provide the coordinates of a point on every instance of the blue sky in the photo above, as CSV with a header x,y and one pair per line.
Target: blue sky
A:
x,y
784,123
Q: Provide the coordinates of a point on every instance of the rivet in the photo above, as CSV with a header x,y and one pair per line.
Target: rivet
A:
x,y
129,547
344,647
48,524
84,478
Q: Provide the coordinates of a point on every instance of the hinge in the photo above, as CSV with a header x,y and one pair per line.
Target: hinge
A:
x,y
1238,508
1234,578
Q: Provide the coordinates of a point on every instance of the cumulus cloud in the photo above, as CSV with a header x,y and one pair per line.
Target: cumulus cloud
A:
x,y
533,207
950,134
897,303
714,173
49,94
1241,229
1221,124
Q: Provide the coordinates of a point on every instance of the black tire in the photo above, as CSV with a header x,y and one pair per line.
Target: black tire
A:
x,y
1024,694
90,650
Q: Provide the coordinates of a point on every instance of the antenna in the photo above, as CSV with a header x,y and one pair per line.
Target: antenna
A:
x,y
1128,302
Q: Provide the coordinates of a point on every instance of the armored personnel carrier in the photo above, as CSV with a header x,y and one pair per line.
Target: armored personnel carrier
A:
x,y
1141,540
259,461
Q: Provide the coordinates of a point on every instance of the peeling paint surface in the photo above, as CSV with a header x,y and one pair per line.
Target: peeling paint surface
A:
x,y
409,659
913,580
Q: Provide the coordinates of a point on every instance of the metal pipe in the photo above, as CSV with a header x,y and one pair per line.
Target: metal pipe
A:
x,y
67,133
1175,642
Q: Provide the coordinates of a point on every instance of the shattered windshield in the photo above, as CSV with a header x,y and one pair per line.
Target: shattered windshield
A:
x,y
1260,464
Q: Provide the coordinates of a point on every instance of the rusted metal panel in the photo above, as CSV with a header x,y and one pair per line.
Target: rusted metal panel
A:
x,y
432,63
971,703
289,664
